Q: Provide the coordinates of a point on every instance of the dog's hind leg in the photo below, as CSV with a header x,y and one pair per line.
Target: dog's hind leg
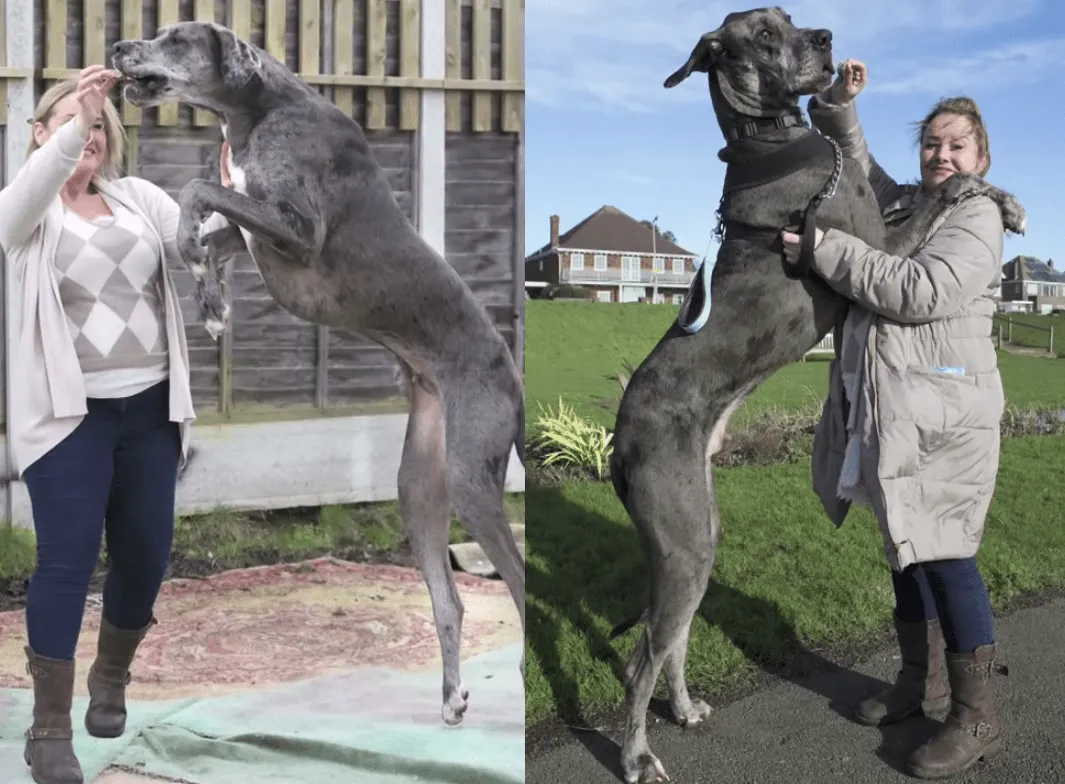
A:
x,y
675,598
426,510
478,455
688,712
681,558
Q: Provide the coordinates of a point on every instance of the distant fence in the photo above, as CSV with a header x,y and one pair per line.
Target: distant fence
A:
x,y
825,345
1025,332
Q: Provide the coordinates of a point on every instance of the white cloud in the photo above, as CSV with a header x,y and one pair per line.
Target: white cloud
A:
x,y
617,53
1008,66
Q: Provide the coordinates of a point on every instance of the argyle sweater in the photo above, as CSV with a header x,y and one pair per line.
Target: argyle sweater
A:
x,y
108,269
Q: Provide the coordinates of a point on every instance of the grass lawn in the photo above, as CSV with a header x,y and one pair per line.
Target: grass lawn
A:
x,y
575,350
227,539
785,577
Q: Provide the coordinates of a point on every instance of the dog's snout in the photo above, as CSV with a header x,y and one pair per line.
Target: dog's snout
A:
x,y
823,38
122,47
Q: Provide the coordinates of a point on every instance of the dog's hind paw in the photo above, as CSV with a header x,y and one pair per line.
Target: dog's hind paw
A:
x,y
696,713
648,770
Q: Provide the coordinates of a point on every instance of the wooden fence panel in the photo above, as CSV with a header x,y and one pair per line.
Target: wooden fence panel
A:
x,y
480,224
365,55
3,258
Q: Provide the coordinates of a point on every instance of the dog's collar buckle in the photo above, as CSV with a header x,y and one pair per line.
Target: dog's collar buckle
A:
x,y
752,128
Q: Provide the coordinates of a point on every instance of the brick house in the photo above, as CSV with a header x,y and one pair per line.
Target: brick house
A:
x,y
1032,285
614,255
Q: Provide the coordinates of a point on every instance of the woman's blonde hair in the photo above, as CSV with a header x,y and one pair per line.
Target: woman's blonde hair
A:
x,y
963,107
113,130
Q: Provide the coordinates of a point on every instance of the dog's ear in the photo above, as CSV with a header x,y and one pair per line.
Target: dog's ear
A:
x,y
703,58
238,60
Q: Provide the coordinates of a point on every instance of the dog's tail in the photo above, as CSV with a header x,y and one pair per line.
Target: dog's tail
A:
x,y
627,624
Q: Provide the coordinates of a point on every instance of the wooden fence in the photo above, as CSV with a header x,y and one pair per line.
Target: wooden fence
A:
x,y
458,172
319,40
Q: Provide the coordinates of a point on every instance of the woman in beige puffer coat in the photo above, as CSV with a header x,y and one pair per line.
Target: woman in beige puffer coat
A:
x,y
918,376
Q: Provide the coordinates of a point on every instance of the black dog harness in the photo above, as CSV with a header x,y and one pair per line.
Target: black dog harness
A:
x,y
790,158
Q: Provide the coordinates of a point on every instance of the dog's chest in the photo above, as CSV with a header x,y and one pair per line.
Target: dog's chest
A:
x,y
240,185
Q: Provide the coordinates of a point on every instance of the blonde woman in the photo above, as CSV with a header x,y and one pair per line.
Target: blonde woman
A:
x,y
921,441
101,401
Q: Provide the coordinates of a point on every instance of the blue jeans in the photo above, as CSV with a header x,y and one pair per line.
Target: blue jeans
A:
x,y
114,476
952,591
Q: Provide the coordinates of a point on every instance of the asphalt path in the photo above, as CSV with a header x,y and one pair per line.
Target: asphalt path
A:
x,y
798,733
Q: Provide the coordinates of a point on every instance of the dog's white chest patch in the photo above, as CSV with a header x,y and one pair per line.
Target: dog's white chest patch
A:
x,y
240,185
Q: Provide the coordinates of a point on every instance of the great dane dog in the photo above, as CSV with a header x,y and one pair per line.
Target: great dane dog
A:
x,y
674,410
316,213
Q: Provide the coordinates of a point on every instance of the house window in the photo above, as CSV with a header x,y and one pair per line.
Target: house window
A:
x,y
630,268
678,299
678,266
659,264
576,261
1033,288
600,263
603,296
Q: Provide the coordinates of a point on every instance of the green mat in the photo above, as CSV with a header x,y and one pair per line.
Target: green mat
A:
x,y
371,726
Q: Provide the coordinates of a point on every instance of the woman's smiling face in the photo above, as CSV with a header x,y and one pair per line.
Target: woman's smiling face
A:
x,y
949,146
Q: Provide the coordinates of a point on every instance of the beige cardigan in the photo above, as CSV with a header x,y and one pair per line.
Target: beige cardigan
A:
x,y
48,389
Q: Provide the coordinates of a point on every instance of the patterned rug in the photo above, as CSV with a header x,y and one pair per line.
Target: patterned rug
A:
x,y
252,628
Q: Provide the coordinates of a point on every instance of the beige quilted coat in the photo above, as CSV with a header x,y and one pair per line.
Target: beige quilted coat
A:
x,y
929,381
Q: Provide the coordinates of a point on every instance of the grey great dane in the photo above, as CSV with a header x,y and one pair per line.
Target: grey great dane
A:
x,y
674,410
315,211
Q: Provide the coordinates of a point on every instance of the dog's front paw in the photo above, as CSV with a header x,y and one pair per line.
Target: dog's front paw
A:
x,y
214,309
191,247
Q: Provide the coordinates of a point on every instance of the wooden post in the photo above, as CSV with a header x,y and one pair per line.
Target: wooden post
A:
x,y
409,33
1000,336
432,128
239,22
204,12
132,28
482,63
3,62
169,13
321,367
17,32
518,315
1051,346
1010,336
513,106
453,61
343,52
376,38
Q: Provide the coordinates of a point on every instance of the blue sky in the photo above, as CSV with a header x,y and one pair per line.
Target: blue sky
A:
x,y
601,129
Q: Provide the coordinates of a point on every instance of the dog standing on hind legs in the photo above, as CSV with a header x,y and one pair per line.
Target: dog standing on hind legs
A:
x,y
316,213
676,406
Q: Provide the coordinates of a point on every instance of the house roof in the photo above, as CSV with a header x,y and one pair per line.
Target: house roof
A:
x,y
611,230
1035,270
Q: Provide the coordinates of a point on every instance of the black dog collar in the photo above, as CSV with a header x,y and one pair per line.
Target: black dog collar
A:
x,y
755,126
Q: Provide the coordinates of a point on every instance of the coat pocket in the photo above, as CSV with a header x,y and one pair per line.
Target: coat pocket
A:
x,y
956,425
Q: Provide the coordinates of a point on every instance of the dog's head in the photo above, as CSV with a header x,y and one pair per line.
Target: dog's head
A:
x,y
190,62
761,60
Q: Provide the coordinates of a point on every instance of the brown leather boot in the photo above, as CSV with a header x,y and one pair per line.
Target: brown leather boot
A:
x,y
972,729
108,677
920,686
49,751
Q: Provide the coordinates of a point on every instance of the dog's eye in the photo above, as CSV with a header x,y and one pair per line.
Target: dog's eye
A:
x,y
764,35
